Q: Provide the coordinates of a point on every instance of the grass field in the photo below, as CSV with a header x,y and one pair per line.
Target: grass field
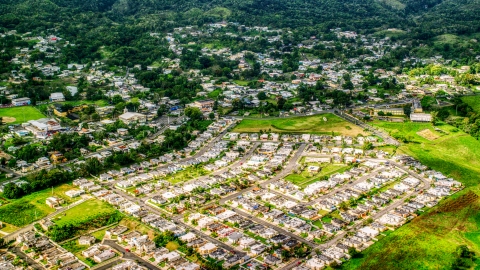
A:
x,y
82,211
241,83
303,124
32,207
472,101
187,174
100,102
304,178
429,241
21,114
132,224
456,154
7,228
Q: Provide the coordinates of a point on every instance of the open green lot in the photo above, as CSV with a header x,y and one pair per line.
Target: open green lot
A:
x,y
456,154
305,178
188,173
302,124
429,241
83,211
32,207
18,115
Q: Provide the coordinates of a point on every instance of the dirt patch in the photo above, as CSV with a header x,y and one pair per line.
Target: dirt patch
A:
x,y
428,134
457,204
8,119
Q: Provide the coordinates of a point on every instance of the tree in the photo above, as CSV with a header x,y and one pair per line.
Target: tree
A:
x,y
353,252
281,103
464,258
117,99
343,206
381,113
93,166
368,146
12,191
163,109
211,116
193,113
348,85
96,117
261,95
407,110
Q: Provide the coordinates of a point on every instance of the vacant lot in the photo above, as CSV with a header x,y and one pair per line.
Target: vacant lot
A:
x,y
83,211
305,178
32,207
304,124
18,115
429,241
428,134
455,154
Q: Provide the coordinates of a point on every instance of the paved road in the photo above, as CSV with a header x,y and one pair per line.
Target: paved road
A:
x,y
129,255
108,265
387,209
377,215
291,164
277,228
345,186
211,239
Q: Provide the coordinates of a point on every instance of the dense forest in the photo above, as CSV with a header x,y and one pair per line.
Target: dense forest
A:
x,y
123,26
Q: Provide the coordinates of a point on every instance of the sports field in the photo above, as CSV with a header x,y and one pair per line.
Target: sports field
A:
x,y
315,124
18,115
429,241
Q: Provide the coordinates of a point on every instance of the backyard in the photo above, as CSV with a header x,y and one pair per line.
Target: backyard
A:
x,y
317,124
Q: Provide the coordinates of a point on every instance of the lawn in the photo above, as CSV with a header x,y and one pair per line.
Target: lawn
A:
x,y
77,249
215,93
241,83
18,115
83,211
305,178
171,246
428,242
187,174
132,224
100,102
302,124
8,228
27,209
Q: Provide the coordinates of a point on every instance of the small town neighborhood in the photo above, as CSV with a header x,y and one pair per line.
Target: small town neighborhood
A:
x,y
222,168
244,210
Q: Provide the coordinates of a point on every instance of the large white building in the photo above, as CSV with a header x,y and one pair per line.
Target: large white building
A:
x,y
57,97
420,117
132,117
